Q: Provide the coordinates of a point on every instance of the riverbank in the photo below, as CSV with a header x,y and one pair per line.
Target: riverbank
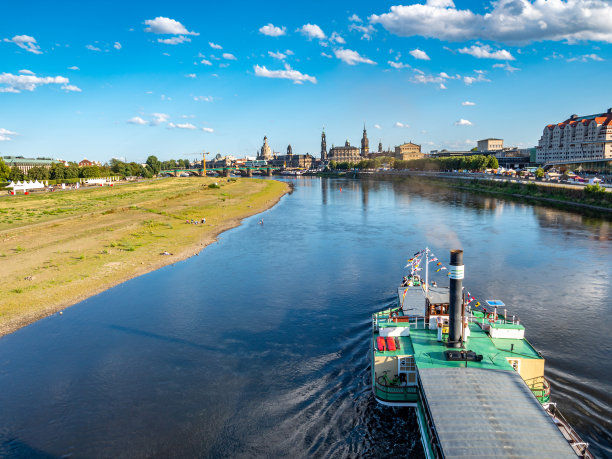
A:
x,y
57,249
553,193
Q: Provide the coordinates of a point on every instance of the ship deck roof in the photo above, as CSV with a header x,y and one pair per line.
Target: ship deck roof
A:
x,y
488,413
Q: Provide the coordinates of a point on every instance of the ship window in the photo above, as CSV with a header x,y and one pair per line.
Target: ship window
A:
x,y
516,364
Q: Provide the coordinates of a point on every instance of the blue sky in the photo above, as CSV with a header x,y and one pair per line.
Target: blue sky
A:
x,y
129,79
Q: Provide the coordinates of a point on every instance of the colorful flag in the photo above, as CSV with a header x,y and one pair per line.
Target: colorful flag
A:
x,y
433,259
438,263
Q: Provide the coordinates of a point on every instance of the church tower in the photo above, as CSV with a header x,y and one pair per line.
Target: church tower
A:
x,y
266,152
289,150
323,147
365,143
379,147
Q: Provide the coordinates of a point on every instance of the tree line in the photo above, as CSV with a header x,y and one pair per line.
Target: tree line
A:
x,y
58,171
470,163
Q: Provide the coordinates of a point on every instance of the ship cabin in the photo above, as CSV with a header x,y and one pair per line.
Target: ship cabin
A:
x,y
407,337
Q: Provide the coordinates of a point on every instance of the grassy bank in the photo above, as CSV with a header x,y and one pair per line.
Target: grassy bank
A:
x,y
59,248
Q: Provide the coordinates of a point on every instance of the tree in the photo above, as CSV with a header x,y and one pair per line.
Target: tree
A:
x,y
154,164
38,173
539,173
5,171
16,174
57,171
72,171
90,172
492,162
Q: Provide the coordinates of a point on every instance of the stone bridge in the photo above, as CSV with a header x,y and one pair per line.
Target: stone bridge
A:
x,y
223,171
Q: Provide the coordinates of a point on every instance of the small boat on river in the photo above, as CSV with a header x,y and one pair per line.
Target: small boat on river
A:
x,y
465,366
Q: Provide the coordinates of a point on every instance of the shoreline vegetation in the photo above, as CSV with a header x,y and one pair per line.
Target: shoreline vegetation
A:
x,y
590,197
57,249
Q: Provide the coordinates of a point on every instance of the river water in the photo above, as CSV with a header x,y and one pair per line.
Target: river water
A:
x,y
259,345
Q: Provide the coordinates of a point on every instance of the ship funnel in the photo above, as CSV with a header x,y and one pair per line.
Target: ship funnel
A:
x,y
455,298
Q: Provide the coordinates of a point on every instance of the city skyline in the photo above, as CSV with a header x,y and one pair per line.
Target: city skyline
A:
x,y
129,81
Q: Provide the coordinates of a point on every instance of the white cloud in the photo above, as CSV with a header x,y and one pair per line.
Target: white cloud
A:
x,y
377,126
469,79
354,18
92,48
467,103
26,72
366,31
182,126
272,31
506,21
462,122
401,125
484,52
585,58
277,55
203,98
191,75
398,65
336,38
29,82
166,26
329,56
25,42
137,120
206,62
214,45
312,31
71,88
187,116
117,45
74,67
288,52
223,65
351,57
207,129
442,86
421,77
229,57
507,67
159,118
174,40
289,74
6,135
419,54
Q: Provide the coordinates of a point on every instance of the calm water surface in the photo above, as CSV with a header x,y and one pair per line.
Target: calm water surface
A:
x,y
259,345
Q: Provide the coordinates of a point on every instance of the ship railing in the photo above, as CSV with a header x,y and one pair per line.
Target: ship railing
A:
x,y
394,392
580,447
540,387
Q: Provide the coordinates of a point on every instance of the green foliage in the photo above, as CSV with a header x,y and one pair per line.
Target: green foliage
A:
x,y
38,173
539,173
471,163
5,171
154,164
594,190
214,185
16,174
57,171
72,171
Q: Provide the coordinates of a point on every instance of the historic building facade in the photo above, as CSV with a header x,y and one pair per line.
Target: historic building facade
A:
x,y
407,151
578,138
346,153
490,144
266,151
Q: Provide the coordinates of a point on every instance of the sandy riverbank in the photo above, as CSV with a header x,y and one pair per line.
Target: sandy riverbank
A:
x,y
57,249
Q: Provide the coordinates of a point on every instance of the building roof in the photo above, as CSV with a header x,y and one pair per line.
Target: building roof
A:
x,y
12,160
490,138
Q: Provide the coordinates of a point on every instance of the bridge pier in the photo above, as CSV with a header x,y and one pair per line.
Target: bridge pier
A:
x,y
202,172
226,172
177,173
269,172
249,172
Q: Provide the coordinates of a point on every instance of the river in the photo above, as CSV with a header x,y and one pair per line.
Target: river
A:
x,y
259,345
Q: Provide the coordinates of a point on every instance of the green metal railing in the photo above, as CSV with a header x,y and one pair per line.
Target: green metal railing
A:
x,y
540,388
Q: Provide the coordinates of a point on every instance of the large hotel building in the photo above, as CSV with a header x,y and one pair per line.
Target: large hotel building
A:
x,y
579,139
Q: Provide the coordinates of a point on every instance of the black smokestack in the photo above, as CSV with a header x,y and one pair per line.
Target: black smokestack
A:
x,y
455,298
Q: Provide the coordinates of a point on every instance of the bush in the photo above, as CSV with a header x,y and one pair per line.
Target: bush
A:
x,y
214,185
